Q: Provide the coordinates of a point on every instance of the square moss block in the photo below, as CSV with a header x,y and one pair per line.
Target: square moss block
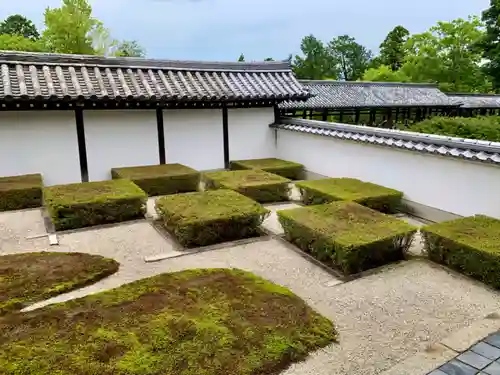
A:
x,y
160,179
20,192
347,235
470,245
263,187
94,203
367,194
284,168
201,219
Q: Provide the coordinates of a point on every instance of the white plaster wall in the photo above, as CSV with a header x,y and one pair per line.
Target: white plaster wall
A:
x,y
193,137
40,142
249,134
461,187
119,138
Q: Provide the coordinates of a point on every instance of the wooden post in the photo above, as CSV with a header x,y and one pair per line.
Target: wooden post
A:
x,y
225,136
397,115
390,122
358,115
82,148
161,136
325,114
341,116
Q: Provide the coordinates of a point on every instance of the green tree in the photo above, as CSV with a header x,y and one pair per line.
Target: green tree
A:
x,y
385,73
20,43
71,28
268,59
490,42
19,25
351,58
241,58
130,48
447,54
316,62
393,48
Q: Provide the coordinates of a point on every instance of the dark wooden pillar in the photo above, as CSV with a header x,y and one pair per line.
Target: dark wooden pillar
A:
x,y
82,148
161,136
358,115
225,136
325,114
341,116
373,115
304,114
390,121
397,116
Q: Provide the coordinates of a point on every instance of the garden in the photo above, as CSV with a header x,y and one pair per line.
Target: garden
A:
x,y
210,320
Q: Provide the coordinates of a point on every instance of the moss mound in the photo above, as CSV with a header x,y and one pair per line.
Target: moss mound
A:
x,y
83,205
160,179
211,217
20,192
367,194
32,277
283,168
347,235
197,322
469,245
263,187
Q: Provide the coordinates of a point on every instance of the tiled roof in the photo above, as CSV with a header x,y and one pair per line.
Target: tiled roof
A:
x,y
469,149
33,76
476,100
341,94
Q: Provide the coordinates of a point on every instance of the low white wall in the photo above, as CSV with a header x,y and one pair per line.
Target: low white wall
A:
x,y
40,142
457,186
193,137
119,138
249,134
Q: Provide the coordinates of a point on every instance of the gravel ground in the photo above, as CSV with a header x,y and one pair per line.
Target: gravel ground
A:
x,y
383,318
271,223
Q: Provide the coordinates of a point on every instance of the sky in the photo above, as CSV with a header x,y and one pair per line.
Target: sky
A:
x,y
220,30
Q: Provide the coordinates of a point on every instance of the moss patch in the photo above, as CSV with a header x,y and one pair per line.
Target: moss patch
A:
x,y
284,168
347,235
367,194
470,245
161,179
20,192
263,187
198,322
92,203
200,219
32,277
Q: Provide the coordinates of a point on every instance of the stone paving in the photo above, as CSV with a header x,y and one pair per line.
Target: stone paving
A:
x,y
483,358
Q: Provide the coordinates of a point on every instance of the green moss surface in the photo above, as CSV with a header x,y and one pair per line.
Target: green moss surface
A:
x,y
263,187
284,168
20,192
350,236
93,203
349,189
198,322
199,219
160,179
30,277
470,245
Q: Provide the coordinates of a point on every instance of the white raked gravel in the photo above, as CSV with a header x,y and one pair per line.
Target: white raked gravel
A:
x,y
382,318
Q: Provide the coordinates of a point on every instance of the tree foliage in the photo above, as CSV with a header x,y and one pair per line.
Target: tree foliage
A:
x,y
447,53
20,43
351,58
490,44
241,58
19,25
393,48
316,62
130,48
385,73
71,28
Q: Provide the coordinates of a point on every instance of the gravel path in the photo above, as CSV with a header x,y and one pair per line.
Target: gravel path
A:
x,y
382,318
